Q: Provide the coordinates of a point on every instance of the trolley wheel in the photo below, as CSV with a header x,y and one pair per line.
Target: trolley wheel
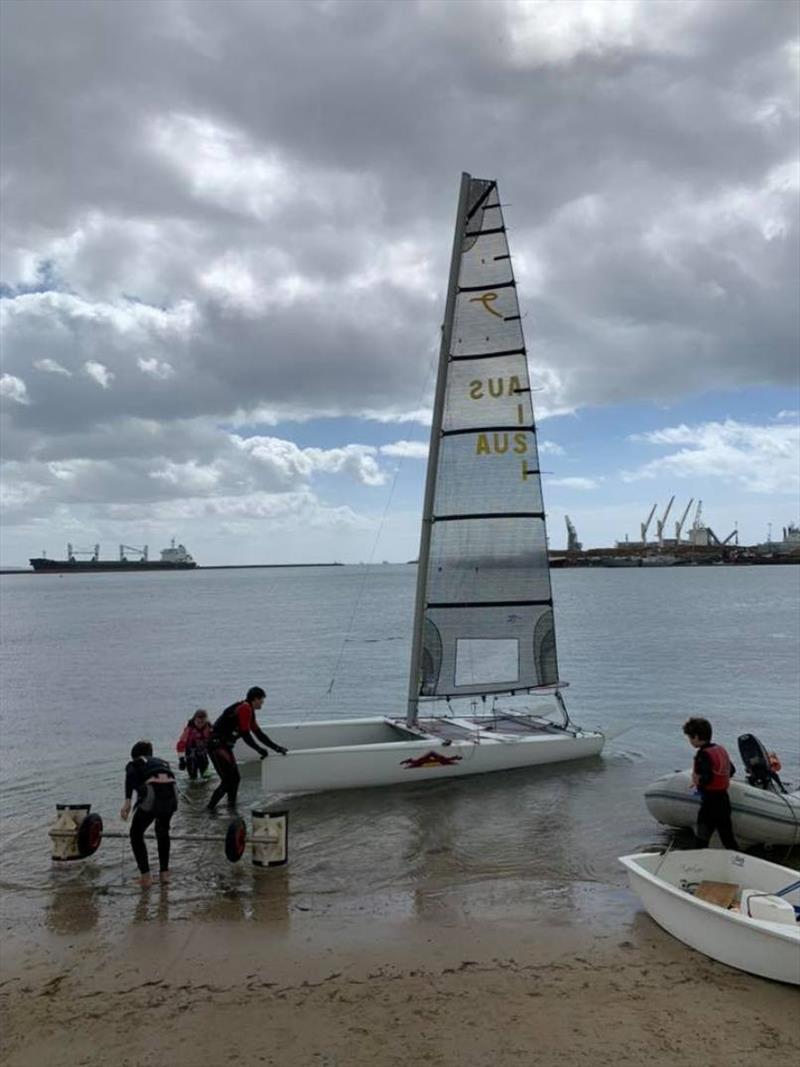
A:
x,y
235,839
90,835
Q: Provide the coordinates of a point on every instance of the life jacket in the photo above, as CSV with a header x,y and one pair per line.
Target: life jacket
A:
x,y
226,730
194,739
159,792
720,769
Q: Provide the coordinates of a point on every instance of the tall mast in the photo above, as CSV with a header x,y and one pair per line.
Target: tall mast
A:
x,y
433,453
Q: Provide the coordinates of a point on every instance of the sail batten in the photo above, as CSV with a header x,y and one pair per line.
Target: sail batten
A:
x,y
466,516
484,596
493,604
490,355
488,187
484,233
507,428
489,285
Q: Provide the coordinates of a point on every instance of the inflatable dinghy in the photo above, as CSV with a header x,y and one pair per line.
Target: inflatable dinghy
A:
x,y
763,811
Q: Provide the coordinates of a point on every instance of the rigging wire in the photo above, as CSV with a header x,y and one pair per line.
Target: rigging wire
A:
x,y
364,575
433,362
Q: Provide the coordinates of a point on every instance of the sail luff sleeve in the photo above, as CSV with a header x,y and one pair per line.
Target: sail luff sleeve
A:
x,y
488,621
416,666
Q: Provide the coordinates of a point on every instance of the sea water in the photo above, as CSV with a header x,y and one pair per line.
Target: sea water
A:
x,y
91,663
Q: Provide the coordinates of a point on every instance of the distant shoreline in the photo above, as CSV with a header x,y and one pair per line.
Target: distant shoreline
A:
x,y
556,563
262,566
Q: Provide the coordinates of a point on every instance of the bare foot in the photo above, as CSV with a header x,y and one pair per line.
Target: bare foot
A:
x,y
145,881
164,877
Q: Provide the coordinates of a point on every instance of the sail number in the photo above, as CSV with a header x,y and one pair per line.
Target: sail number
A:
x,y
499,443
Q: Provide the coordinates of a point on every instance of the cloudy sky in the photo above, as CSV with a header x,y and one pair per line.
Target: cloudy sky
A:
x,y
226,234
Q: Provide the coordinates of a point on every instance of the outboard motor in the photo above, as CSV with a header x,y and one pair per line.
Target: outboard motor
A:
x,y
757,765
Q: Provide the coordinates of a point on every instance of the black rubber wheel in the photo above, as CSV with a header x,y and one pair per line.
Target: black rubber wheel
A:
x,y
235,839
90,835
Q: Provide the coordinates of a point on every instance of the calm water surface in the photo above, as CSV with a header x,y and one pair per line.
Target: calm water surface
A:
x,y
90,663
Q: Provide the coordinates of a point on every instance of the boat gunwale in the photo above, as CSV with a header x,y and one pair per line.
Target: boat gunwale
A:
x,y
746,922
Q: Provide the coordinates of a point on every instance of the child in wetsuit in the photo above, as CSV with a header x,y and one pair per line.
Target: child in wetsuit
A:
x,y
153,782
192,746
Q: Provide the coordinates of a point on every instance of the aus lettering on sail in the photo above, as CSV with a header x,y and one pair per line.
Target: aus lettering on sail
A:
x,y
503,397
502,442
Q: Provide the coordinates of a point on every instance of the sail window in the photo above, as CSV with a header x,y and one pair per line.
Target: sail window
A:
x,y
486,662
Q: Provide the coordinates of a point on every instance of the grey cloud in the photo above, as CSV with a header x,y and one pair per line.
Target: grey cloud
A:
x,y
247,207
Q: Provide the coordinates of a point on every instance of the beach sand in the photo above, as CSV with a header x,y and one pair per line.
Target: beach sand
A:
x,y
364,987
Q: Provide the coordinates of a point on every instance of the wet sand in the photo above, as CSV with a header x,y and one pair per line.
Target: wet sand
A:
x,y
315,988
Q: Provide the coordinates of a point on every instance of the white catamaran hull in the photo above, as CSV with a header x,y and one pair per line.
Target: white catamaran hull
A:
x,y
359,753
664,884
758,816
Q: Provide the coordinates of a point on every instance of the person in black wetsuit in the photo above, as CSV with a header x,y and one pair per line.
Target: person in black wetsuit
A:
x,y
153,782
237,720
711,775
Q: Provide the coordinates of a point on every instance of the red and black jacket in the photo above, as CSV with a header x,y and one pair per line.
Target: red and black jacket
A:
x,y
239,720
713,768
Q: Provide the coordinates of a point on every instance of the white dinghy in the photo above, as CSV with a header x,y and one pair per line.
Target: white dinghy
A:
x,y
483,621
736,909
763,811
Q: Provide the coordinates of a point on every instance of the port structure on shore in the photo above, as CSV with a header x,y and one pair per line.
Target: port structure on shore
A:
x,y
701,546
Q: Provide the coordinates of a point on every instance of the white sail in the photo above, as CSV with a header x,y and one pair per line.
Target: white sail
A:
x,y
484,619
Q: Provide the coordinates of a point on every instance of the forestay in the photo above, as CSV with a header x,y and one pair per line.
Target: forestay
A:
x,y
484,606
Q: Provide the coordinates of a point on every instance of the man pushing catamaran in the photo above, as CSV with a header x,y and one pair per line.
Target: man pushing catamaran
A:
x,y
483,620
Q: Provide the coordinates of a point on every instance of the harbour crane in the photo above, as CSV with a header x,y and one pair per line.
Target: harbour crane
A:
x,y
573,544
142,552
645,525
682,520
660,523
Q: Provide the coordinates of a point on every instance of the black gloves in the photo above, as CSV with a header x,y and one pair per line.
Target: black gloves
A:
x,y
181,764
281,749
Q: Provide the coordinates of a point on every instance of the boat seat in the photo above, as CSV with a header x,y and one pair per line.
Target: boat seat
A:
x,y
723,894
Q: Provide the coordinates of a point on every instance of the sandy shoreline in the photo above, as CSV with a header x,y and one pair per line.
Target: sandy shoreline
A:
x,y
345,991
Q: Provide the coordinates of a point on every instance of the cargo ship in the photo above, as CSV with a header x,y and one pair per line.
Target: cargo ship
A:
x,y
174,558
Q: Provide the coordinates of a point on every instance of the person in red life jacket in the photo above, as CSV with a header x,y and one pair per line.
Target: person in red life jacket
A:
x,y
711,775
153,782
237,721
192,746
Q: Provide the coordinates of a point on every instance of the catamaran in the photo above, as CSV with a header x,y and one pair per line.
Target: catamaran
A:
x,y
483,619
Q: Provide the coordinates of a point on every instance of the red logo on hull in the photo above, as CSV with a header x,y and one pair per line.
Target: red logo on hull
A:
x,y
430,759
